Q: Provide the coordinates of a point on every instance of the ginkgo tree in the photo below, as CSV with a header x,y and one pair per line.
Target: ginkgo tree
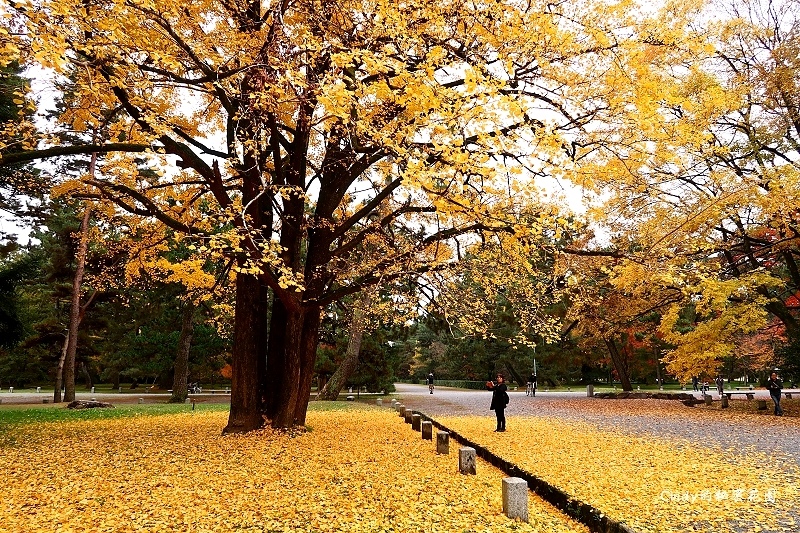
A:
x,y
300,128
706,191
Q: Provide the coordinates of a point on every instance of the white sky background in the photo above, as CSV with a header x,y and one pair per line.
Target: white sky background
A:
x,y
45,94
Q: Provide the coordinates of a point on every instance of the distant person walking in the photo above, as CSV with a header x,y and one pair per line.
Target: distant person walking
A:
x,y
499,400
532,383
720,385
695,382
430,382
774,386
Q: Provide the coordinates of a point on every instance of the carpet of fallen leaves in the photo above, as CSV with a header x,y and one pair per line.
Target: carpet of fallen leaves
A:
x,y
360,470
654,485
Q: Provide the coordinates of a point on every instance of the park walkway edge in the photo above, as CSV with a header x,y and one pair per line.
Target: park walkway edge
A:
x,y
588,515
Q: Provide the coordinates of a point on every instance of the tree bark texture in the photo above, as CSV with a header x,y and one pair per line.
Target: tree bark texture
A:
x,y
60,371
620,364
180,385
75,304
333,387
248,344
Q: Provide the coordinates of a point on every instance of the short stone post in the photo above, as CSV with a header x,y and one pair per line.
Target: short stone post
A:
x,y
379,402
590,391
120,389
408,414
724,400
427,430
38,390
467,460
707,398
515,498
443,442
415,422
762,405
141,400
92,390
401,409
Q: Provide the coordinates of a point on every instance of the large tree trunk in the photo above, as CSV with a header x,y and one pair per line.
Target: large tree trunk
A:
x,y
620,364
248,342
339,378
287,393
308,358
276,355
75,305
180,379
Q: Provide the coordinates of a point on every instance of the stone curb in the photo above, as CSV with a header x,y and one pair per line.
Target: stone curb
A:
x,y
586,514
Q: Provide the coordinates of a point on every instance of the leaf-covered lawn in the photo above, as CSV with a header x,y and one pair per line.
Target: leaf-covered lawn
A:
x,y
362,469
652,484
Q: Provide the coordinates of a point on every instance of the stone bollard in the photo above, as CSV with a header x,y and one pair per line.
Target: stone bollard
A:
x,y
590,391
38,390
401,409
92,390
427,430
120,389
762,405
707,398
443,442
141,400
415,422
351,398
515,498
467,460
408,415
379,402
724,401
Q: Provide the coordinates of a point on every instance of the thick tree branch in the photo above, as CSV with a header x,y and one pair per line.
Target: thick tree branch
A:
x,y
57,151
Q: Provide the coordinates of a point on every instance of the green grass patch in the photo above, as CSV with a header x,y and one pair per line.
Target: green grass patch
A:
x,y
16,415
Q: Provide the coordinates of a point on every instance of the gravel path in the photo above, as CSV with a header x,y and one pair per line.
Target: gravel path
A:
x,y
735,432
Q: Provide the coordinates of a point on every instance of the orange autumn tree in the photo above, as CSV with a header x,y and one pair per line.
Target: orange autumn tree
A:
x,y
288,132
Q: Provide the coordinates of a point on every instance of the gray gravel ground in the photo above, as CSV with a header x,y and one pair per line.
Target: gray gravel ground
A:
x,y
776,436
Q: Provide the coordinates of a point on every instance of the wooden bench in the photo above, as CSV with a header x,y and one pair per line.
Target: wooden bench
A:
x,y
208,391
750,395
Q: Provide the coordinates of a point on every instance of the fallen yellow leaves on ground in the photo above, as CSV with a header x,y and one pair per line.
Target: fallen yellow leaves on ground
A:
x,y
654,485
362,470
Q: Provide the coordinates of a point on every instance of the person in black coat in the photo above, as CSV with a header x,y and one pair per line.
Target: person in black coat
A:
x,y
499,400
774,386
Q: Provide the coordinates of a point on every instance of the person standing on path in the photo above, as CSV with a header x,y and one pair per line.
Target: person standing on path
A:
x,y
774,386
532,382
499,400
720,385
430,382
695,382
